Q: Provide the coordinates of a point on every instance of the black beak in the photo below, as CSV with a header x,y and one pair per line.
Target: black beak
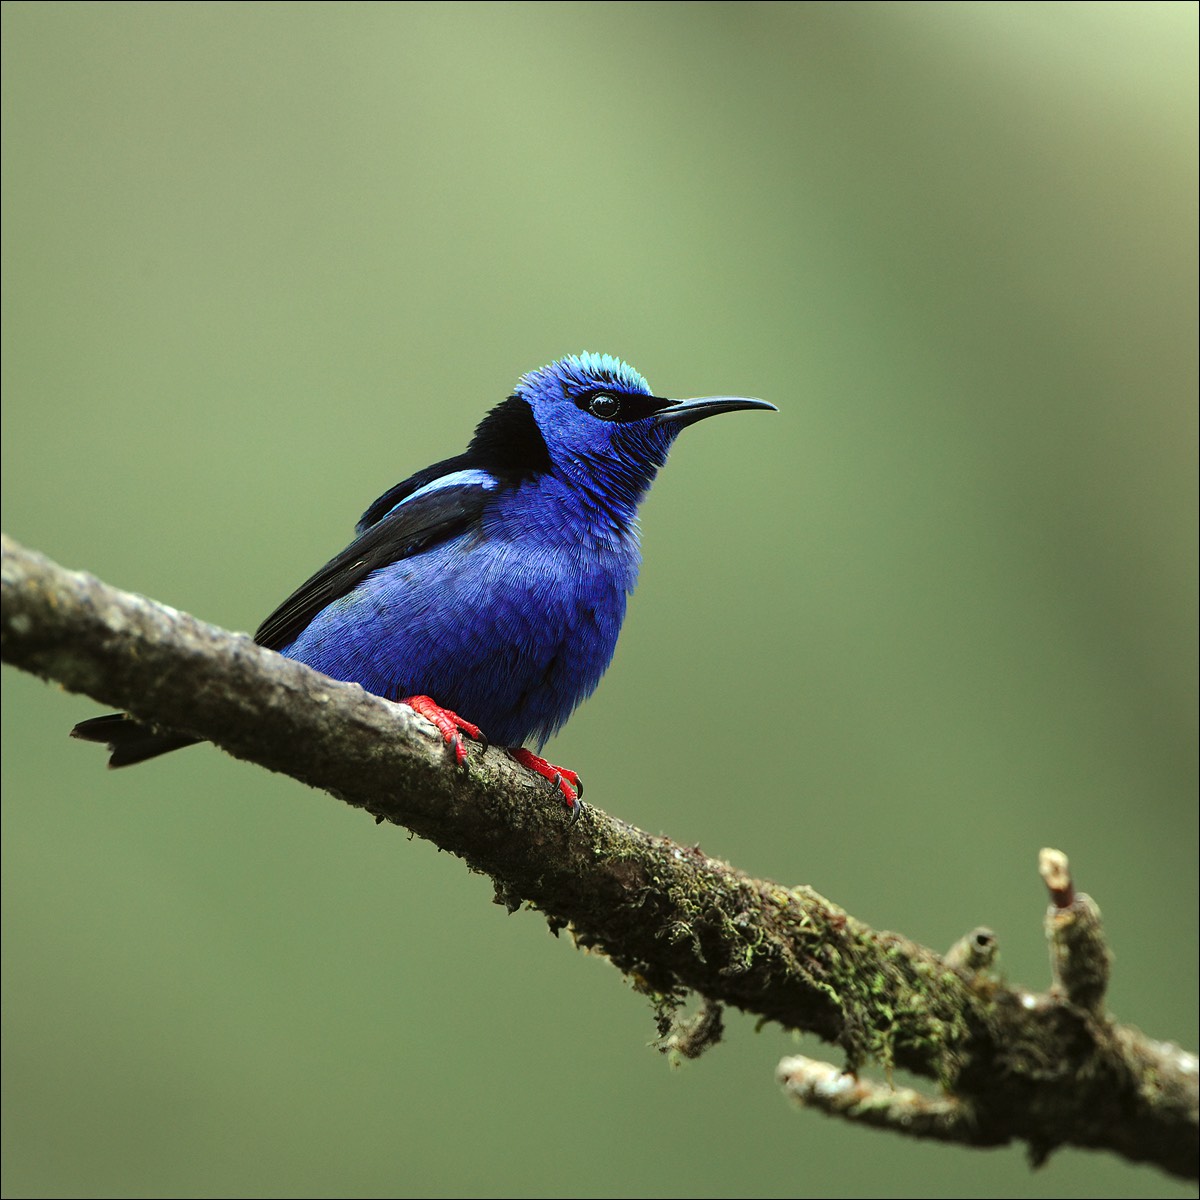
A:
x,y
687,412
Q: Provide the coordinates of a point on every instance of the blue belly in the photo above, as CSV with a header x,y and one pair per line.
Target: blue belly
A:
x,y
510,635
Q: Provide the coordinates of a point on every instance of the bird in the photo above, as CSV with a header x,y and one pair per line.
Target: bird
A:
x,y
487,591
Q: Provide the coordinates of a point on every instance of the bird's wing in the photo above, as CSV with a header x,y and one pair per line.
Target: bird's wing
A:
x,y
432,513
439,472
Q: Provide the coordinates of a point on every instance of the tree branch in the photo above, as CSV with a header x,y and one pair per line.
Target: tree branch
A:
x,y
1048,1069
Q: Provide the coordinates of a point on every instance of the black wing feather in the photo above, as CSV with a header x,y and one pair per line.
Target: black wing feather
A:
x,y
507,444
393,496
413,527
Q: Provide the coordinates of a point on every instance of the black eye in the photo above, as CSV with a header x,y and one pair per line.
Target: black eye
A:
x,y
604,406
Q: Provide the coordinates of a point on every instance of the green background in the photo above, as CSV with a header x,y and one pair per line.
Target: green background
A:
x,y
263,260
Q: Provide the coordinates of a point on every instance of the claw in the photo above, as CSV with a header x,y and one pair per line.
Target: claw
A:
x,y
448,724
566,783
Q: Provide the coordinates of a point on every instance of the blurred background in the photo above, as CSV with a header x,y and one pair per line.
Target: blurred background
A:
x,y
261,261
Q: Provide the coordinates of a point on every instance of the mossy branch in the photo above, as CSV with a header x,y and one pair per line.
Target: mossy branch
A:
x,y
1048,1069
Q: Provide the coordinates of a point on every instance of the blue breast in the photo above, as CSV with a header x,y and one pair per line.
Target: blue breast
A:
x,y
510,624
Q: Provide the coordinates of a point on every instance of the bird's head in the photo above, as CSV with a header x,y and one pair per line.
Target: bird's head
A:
x,y
596,422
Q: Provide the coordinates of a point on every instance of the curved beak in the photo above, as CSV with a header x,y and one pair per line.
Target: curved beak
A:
x,y
686,412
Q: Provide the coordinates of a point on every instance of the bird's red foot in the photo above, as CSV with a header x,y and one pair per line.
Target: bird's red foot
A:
x,y
448,724
567,782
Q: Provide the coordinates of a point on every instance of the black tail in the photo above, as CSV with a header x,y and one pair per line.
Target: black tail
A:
x,y
129,741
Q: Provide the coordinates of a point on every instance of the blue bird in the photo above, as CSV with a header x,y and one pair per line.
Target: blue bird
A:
x,y
493,584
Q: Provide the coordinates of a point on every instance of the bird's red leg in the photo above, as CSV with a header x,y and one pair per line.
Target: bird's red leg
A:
x,y
448,724
567,782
